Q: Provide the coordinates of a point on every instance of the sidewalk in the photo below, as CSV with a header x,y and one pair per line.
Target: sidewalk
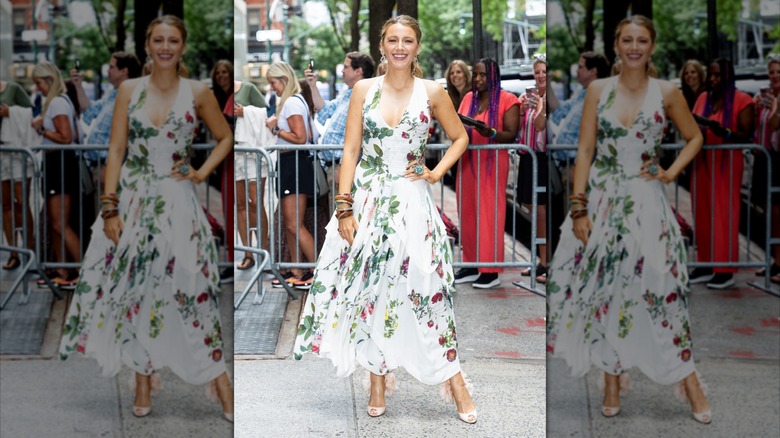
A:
x,y
501,337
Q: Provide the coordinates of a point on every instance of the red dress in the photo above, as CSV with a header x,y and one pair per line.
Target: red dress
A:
x,y
715,193
481,191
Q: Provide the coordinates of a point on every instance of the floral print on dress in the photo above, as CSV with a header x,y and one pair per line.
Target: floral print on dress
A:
x,y
151,300
621,300
384,301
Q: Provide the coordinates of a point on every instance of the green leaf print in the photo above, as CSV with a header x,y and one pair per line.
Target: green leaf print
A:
x,y
378,150
144,151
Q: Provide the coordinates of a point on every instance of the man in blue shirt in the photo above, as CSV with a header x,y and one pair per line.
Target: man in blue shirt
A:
x,y
565,117
98,115
357,66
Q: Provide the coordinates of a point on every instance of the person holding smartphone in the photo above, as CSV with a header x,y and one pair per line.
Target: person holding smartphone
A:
x,y
483,174
533,133
767,116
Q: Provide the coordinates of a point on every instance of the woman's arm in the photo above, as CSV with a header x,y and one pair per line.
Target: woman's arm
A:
x,y
208,110
448,119
677,109
297,132
117,146
585,152
540,119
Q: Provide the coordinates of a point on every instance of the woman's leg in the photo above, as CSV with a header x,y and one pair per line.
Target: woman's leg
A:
x,y
461,395
22,211
59,212
699,403
376,399
294,229
225,393
264,232
8,216
241,210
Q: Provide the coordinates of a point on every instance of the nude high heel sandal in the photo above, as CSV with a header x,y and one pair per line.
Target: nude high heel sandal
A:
x,y
445,389
215,392
681,392
154,385
624,383
390,386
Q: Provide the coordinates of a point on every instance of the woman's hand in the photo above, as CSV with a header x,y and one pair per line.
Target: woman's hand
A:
x,y
37,123
182,170
270,122
113,228
652,170
348,229
238,110
582,227
484,131
417,171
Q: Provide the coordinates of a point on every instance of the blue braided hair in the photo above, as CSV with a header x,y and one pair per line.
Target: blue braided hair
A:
x,y
494,90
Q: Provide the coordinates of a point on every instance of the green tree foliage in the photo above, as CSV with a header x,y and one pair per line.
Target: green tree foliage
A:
x,y
210,34
493,15
681,34
442,40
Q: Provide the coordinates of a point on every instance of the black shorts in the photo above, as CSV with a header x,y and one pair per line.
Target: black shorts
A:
x,y
61,173
292,181
759,183
525,178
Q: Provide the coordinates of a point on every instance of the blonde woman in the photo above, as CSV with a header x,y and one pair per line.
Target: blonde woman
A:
x,y
291,125
382,293
458,77
147,297
618,287
57,125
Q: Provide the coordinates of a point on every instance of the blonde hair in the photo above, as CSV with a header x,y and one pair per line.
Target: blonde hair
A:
x,y
283,72
50,73
639,20
170,20
408,22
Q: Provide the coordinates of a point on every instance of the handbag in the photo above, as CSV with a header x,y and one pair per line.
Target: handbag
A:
x,y
321,186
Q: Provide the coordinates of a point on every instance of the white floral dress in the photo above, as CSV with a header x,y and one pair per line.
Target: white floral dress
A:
x,y
386,302
151,301
621,301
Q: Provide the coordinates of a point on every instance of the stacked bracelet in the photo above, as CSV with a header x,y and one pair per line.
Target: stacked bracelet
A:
x,y
578,203
109,203
494,134
343,213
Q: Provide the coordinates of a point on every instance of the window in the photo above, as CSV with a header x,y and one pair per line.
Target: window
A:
x,y
253,23
20,19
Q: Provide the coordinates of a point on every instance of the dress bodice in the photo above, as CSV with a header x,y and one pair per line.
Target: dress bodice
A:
x,y
390,149
622,149
153,148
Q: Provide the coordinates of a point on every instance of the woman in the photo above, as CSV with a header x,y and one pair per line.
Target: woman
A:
x,y
222,86
382,293
483,174
291,125
692,76
57,124
247,98
148,290
618,285
767,117
458,77
533,133
717,175
16,211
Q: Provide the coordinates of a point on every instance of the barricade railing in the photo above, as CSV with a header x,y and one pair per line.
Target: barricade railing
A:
x,y
264,160
85,193
744,192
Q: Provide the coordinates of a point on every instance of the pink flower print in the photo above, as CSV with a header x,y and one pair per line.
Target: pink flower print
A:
x,y
203,297
639,135
657,117
169,267
196,323
370,308
135,308
436,297
440,270
451,354
639,266
405,267
568,293
216,355
207,340
410,157
315,344
366,269
343,258
442,340
80,348
686,355
404,135
550,348
171,135
676,340
109,257
334,294
645,156
430,324
423,117
671,297
176,156
577,258
100,293
205,269
188,117
674,269
664,323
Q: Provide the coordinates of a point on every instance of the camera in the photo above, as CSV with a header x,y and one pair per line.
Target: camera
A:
x,y
77,65
311,65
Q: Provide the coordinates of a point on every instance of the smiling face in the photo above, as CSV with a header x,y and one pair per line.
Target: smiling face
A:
x,y
350,76
400,46
774,76
457,76
115,75
276,84
43,85
635,46
222,75
713,76
540,76
691,77
165,46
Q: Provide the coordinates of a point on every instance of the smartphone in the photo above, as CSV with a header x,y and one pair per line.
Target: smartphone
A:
x,y
532,91
311,64
77,65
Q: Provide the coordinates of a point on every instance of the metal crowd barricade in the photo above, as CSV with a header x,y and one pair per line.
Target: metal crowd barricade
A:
x,y
271,258
769,241
88,182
